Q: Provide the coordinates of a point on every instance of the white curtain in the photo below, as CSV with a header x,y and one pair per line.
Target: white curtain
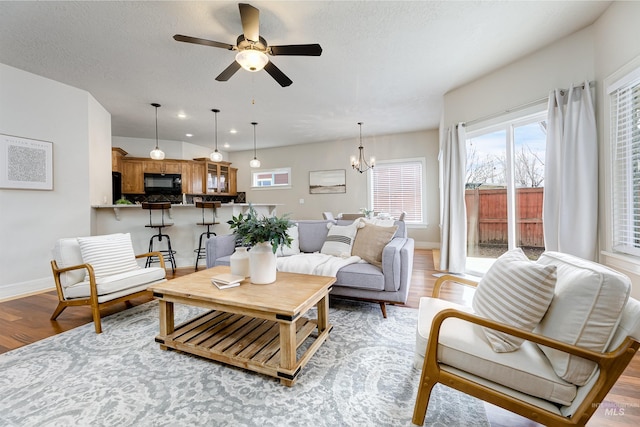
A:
x,y
570,209
453,213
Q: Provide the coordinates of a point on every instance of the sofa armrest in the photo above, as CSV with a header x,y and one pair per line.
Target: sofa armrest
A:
x,y
397,264
451,278
218,247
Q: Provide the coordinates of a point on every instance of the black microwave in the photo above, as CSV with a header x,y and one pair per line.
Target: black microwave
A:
x,y
168,183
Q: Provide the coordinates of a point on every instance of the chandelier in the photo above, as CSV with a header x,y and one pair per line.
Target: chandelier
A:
x,y
359,163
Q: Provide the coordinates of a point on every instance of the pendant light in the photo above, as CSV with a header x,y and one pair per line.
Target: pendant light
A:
x,y
360,164
156,153
254,163
216,156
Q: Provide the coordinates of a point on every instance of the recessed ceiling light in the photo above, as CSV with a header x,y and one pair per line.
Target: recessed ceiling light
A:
x,y
182,115
189,135
233,131
226,145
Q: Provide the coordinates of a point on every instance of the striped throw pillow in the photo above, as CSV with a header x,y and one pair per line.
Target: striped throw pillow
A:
x,y
109,254
339,240
514,291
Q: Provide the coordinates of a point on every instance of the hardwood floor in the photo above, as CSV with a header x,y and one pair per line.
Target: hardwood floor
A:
x,y
26,320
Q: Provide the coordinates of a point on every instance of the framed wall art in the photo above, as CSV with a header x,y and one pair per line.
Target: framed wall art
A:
x,y
25,163
327,182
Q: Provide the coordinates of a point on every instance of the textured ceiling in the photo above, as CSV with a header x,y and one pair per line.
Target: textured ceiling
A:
x,y
387,64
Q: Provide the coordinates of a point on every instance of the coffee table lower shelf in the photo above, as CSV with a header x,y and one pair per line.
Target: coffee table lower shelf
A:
x,y
245,342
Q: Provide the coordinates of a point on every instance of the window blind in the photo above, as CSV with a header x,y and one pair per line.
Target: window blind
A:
x,y
397,187
625,138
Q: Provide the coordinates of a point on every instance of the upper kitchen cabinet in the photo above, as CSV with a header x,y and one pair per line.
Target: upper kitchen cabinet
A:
x,y
132,176
116,159
218,178
162,166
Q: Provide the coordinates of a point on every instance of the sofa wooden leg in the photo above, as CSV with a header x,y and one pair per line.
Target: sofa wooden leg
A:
x,y
383,307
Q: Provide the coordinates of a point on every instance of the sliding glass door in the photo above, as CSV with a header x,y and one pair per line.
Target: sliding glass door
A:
x,y
504,189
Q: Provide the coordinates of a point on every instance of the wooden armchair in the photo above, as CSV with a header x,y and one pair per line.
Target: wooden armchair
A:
x,y
101,273
454,354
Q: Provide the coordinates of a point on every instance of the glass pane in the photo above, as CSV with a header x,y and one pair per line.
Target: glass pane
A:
x,y
486,198
529,151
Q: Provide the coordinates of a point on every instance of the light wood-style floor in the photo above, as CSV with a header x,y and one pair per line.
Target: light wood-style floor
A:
x,y
26,320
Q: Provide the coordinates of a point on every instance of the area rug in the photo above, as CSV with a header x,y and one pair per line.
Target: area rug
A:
x,y
362,376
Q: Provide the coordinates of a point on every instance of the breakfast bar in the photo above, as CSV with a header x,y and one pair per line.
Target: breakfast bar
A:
x,y
109,219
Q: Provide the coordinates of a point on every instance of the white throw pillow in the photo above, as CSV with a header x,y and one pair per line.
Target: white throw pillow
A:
x,y
294,249
109,254
586,309
515,291
340,239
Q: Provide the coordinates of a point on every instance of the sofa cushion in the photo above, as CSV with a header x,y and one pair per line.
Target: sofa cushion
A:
x,y
361,275
117,282
585,311
370,241
312,234
294,249
463,345
66,253
514,291
339,240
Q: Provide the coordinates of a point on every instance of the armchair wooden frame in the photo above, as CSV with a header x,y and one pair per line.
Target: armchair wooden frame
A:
x,y
92,300
611,365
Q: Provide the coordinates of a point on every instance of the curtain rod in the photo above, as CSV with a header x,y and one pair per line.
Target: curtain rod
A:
x,y
520,107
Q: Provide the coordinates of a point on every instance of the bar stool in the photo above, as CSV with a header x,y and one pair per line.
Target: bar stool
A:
x,y
168,253
201,252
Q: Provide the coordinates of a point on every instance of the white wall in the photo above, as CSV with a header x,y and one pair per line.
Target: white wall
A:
x,y
31,221
336,155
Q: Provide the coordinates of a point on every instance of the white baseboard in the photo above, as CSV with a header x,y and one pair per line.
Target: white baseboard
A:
x,y
23,289
427,245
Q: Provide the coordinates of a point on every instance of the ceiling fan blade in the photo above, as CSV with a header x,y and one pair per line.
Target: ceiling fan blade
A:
x,y
195,40
297,49
250,17
228,72
278,75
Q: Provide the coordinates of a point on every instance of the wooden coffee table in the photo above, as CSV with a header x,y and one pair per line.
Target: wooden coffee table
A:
x,y
255,327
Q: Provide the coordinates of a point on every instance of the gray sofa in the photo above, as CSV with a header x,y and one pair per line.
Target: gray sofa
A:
x,y
362,281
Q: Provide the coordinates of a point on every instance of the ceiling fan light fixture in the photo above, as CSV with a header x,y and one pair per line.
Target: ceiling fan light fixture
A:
x,y
156,153
252,60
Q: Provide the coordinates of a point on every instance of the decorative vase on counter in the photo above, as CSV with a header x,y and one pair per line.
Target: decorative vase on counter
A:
x,y
262,264
239,262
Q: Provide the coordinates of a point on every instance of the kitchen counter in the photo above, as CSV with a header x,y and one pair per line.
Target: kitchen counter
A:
x,y
184,233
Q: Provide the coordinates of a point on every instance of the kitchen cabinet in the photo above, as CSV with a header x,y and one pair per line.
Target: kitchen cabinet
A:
x,y
132,176
218,178
116,159
162,166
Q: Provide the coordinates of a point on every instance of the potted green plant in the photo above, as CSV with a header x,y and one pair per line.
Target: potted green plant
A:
x,y
264,235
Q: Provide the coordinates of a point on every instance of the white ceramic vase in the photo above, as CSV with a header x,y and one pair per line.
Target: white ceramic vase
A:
x,y
239,262
262,264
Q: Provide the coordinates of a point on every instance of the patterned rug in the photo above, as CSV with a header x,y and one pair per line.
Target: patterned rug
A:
x,y
362,376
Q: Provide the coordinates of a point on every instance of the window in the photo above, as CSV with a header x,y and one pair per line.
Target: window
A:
x,y
276,178
398,186
505,186
625,145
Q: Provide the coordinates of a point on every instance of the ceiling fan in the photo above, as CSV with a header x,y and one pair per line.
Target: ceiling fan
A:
x,y
253,49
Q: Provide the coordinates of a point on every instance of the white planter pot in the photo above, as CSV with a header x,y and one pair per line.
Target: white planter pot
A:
x,y
239,262
262,264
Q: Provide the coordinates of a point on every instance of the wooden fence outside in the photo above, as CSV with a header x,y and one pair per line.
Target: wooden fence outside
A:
x,y
487,217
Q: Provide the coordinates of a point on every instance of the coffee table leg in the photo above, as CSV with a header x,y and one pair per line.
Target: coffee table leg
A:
x,y
287,349
323,314
166,320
